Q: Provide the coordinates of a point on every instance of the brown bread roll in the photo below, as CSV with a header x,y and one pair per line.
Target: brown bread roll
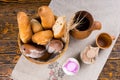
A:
x,y
36,26
47,17
54,46
24,27
32,51
42,37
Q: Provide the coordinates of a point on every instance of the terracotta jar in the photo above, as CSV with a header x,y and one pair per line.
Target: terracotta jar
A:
x,y
83,24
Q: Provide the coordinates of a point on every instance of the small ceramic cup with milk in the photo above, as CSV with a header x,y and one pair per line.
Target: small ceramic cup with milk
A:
x,y
71,66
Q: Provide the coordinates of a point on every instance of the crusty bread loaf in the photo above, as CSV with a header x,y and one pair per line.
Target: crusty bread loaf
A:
x,y
24,27
36,26
47,17
59,27
42,37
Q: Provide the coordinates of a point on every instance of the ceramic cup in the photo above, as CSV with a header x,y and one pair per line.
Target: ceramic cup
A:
x,y
104,40
71,66
83,24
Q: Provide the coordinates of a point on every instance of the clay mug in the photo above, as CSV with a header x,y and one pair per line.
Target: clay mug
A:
x,y
104,40
83,24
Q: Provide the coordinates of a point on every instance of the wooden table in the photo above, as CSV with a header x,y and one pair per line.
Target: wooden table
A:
x,y
9,51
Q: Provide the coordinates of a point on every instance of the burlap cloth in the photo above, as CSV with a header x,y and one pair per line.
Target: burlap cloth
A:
x,y
105,11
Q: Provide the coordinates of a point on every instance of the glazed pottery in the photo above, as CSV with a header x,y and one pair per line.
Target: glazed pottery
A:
x,y
104,40
83,24
89,54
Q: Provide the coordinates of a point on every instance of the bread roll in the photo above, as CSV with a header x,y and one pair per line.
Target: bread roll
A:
x,y
42,37
47,17
32,51
54,46
24,27
59,27
36,26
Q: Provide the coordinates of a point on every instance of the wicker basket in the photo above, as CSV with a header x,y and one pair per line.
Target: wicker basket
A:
x,y
50,60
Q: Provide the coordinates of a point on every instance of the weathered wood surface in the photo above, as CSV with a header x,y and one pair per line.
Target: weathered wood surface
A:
x,y
25,1
9,51
5,78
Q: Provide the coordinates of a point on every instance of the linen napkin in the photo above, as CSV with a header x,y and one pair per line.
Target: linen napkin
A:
x,y
105,11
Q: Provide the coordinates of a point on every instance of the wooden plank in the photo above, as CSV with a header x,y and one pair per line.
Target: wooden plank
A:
x,y
12,8
8,28
116,48
114,55
111,70
8,46
25,1
118,41
5,78
9,58
6,69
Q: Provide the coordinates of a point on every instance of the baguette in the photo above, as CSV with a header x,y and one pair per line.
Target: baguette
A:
x,y
59,27
24,27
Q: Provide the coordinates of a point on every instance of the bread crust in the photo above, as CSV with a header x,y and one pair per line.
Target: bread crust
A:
x,y
47,17
36,26
42,37
62,25
24,27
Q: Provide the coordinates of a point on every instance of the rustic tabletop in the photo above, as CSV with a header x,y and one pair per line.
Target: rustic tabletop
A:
x,y
9,51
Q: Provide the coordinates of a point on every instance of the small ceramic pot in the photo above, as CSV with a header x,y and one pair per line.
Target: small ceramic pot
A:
x,y
83,24
71,66
104,40
89,54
